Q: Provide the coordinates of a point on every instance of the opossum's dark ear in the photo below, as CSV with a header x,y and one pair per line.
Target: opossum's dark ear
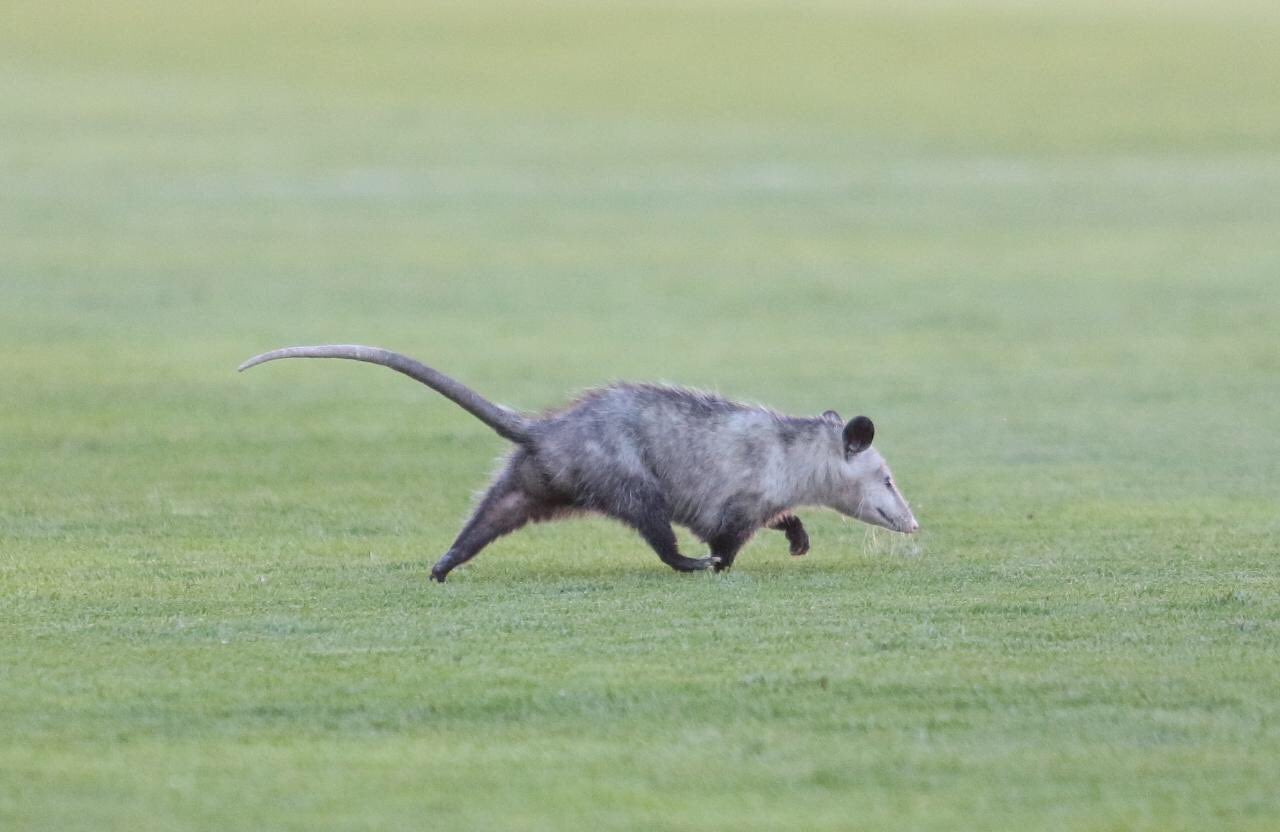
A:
x,y
858,435
832,416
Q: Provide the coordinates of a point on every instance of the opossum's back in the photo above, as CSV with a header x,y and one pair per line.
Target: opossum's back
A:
x,y
648,430
643,411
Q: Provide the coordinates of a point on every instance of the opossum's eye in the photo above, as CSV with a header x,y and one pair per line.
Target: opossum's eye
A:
x,y
888,482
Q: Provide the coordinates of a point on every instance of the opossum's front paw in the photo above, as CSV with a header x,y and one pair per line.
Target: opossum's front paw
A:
x,y
438,574
799,541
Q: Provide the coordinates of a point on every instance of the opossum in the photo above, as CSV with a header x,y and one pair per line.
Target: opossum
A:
x,y
651,455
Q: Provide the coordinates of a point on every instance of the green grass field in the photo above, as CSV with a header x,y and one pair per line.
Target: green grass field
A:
x,y
1038,244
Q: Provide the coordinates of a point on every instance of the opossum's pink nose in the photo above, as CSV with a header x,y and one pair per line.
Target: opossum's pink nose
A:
x,y
913,527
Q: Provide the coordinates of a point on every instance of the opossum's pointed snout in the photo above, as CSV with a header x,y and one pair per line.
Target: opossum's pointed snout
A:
x,y
908,524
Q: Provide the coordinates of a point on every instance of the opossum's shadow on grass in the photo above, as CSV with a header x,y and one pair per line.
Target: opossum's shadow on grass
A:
x,y
536,575
767,566
547,558
847,552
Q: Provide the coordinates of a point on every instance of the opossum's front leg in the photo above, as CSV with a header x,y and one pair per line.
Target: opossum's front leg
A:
x,y
796,534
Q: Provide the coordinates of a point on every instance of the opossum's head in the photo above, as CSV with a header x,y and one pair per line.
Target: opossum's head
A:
x,y
863,486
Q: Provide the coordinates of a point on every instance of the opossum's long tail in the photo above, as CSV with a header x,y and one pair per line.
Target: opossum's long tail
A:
x,y
506,422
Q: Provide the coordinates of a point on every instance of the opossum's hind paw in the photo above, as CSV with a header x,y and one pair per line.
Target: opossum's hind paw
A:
x,y
693,564
439,573
800,545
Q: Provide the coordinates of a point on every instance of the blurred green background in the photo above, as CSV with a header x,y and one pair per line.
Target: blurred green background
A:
x,y
1038,243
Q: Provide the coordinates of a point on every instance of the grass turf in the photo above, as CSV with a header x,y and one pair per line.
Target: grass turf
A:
x,y
1037,245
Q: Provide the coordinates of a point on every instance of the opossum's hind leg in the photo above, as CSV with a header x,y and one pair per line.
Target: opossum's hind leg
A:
x,y
796,534
505,508
725,547
648,514
659,534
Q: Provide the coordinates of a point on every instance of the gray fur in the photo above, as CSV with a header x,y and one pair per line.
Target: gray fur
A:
x,y
651,455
